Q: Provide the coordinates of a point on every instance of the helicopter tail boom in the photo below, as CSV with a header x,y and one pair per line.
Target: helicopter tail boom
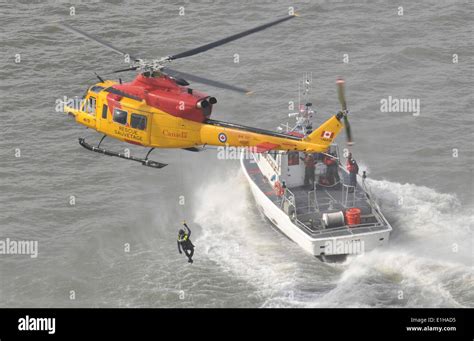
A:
x,y
220,133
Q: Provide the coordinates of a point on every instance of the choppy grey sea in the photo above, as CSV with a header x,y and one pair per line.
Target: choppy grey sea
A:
x,y
420,167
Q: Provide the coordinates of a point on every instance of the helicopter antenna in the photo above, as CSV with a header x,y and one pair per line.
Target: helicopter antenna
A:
x,y
299,95
308,81
100,78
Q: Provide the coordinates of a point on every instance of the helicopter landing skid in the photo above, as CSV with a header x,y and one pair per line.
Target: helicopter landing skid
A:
x,y
144,162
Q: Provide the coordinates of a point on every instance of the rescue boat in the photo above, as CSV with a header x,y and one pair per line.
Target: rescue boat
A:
x,y
331,217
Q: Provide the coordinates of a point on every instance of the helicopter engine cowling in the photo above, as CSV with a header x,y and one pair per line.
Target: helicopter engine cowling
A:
x,y
165,94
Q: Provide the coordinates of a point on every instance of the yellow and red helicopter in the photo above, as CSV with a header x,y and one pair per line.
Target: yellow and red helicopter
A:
x,y
158,109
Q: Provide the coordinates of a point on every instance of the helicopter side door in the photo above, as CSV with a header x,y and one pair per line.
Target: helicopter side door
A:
x,y
103,116
129,125
140,122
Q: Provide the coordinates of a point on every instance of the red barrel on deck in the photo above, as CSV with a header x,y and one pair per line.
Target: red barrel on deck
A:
x,y
352,216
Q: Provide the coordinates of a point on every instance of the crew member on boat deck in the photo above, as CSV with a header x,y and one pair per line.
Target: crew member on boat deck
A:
x,y
185,243
309,163
353,169
332,174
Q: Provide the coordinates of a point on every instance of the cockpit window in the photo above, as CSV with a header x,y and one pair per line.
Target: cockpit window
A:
x,y
138,121
89,105
120,116
104,111
97,88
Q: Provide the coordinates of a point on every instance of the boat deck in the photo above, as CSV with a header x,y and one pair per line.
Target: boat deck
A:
x,y
310,207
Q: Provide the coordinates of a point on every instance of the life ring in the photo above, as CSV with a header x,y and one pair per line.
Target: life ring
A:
x,y
279,190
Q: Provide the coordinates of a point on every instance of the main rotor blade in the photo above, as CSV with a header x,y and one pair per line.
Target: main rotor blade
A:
x,y
198,79
226,40
132,68
97,40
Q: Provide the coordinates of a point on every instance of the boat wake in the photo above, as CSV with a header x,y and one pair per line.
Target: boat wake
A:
x,y
428,262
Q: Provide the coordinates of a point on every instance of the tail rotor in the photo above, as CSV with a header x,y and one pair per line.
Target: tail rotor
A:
x,y
344,112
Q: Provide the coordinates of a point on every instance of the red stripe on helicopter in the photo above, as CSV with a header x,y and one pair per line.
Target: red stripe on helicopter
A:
x,y
295,133
133,142
265,147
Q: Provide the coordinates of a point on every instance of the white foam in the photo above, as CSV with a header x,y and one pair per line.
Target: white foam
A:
x,y
388,277
433,224
237,238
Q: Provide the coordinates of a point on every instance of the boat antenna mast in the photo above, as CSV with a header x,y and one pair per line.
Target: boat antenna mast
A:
x,y
305,112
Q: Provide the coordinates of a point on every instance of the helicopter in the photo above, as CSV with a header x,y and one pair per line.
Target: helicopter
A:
x,y
158,109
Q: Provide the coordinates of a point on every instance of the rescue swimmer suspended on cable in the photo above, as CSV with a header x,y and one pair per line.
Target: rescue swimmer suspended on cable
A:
x,y
185,243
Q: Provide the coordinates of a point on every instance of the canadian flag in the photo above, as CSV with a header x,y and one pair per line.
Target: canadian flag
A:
x,y
327,134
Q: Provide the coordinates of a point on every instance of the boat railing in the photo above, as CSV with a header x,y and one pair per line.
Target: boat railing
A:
x,y
288,203
351,230
347,190
312,201
290,196
373,203
368,191
364,186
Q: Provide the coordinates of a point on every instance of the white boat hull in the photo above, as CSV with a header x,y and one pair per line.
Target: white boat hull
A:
x,y
342,245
